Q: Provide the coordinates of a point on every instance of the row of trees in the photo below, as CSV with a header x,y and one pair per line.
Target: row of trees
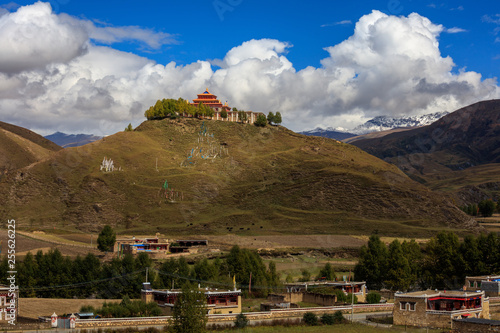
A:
x,y
485,208
442,263
53,275
245,266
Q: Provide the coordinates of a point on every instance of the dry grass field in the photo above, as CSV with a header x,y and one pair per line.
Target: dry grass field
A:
x,y
36,307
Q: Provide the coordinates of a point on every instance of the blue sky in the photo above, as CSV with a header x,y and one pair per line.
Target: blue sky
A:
x,y
270,44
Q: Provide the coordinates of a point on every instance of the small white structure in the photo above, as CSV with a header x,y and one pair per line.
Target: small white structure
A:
x,y
107,165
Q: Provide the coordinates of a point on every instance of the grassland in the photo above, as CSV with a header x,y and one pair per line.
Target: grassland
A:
x,y
270,181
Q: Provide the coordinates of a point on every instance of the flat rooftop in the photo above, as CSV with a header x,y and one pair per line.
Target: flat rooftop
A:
x,y
439,293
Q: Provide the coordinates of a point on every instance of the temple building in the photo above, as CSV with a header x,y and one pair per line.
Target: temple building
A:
x,y
218,301
437,309
216,105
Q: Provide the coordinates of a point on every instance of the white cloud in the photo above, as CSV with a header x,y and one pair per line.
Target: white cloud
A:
x,y
455,30
389,66
343,22
33,37
107,34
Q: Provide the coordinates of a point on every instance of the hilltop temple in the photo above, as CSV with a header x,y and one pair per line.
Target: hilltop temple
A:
x,y
211,101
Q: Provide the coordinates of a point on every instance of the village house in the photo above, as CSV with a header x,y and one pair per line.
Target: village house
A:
x,y
156,247
490,284
211,101
304,292
218,301
437,309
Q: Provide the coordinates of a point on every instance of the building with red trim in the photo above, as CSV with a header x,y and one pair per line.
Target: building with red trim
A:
x,y
437,309
218,301
216,105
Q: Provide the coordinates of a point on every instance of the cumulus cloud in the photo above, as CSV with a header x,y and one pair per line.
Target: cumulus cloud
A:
x,y
33,37
389,66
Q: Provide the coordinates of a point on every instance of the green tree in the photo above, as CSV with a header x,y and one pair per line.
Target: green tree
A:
x,y
235,110
486,208
277,118
261,120
305,275
372,263
443,266
129,128
270,118
326,272
398,276
310,319
223,113
190,311
242,116
373,297
241,321
106,239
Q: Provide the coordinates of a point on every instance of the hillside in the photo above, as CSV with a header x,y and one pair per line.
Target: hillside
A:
x,y
443,151
245,180
20,147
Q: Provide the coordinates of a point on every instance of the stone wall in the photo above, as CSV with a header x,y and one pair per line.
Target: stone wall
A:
x,y
322,300
229,318
464,326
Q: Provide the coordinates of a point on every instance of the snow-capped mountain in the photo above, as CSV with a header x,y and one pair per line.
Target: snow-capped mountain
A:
x,y
383,123
72,140
377,124
329,132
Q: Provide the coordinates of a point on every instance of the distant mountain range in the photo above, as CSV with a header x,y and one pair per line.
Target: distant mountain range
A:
x,y
460,150
384,123
377,124
72,140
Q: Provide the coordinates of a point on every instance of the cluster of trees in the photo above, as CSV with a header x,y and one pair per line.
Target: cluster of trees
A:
x,y
484,208
126,308
170,108
442,263
245,266
53,275
271,118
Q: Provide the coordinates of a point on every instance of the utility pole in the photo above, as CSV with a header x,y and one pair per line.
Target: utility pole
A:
x,y
250,284
147,274
352,303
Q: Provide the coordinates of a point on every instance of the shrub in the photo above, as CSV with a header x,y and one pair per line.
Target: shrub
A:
x,y
261,120
241,321
373,297
338,317
328,319
310,319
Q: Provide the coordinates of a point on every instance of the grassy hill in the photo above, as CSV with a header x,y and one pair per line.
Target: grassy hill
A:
x,y
256,181
20,147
